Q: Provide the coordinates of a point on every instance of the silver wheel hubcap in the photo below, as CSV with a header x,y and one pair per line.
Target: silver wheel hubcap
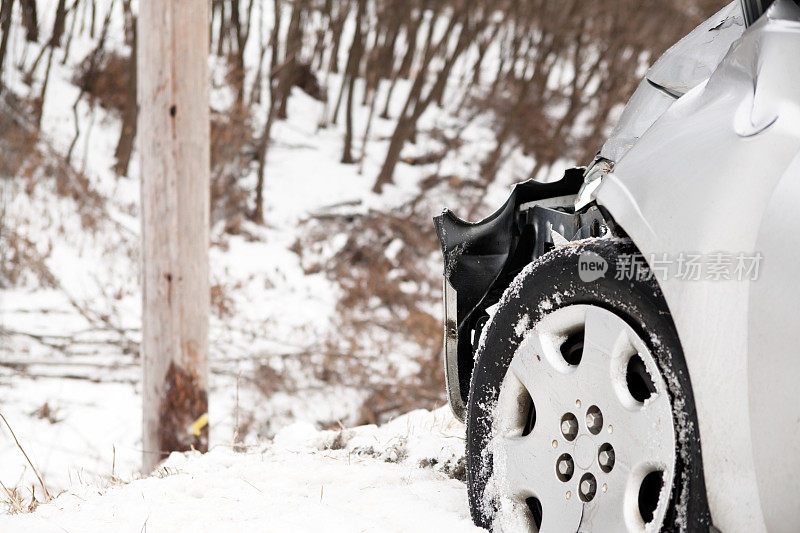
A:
x,y
583,436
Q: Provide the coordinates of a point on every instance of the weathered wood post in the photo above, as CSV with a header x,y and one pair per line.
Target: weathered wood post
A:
x,y
173,129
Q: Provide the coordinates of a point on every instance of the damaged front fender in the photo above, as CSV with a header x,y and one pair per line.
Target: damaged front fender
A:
x,y
480,260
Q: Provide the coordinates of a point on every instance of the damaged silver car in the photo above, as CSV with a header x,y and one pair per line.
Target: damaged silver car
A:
x,y
622,343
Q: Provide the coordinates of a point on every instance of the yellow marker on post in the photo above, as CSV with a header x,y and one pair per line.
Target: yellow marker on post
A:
x,y
197,426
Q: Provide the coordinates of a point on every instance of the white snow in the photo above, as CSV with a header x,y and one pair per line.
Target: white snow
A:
x,y
522,325
298,482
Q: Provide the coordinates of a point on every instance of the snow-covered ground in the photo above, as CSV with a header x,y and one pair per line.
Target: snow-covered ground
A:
x,y
397,477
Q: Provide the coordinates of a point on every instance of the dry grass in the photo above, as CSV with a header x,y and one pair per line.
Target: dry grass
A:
x,y
17,139
113,479
104,78
14,500
45,412
232,155
19,257
389,291
221,302
386,339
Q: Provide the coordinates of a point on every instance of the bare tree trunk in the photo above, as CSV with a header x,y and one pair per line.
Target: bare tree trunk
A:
x,y
411,38
490,164
255,90
338,28
370,65
222,25
238,35
274,39
54,41
5,27
385,113
406,124
93,18
58,25
263,142
373,98
294,38
356,51
263,147
483,46
318,58
39,104
93,59
412,29
129,117
30,19
174,146
241,33
347,153
342,90
385,60
71,32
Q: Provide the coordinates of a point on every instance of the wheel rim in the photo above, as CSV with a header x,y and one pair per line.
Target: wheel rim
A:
x,y
582,435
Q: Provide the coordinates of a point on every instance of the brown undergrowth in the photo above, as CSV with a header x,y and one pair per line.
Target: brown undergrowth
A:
x,y
388,335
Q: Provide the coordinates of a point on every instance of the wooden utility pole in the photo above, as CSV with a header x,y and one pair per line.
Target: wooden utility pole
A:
x,y
173,129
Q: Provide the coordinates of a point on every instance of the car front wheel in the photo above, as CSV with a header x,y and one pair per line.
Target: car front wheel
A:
x,y
580,415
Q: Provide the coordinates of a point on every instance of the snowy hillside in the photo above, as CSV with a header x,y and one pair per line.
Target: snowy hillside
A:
x,y
293,336
281,343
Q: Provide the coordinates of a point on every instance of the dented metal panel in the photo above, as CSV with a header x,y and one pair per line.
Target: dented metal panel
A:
x,y
645,106
694,58
685,65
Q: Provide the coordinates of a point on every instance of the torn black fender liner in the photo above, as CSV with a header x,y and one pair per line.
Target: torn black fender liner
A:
x,y
480,260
